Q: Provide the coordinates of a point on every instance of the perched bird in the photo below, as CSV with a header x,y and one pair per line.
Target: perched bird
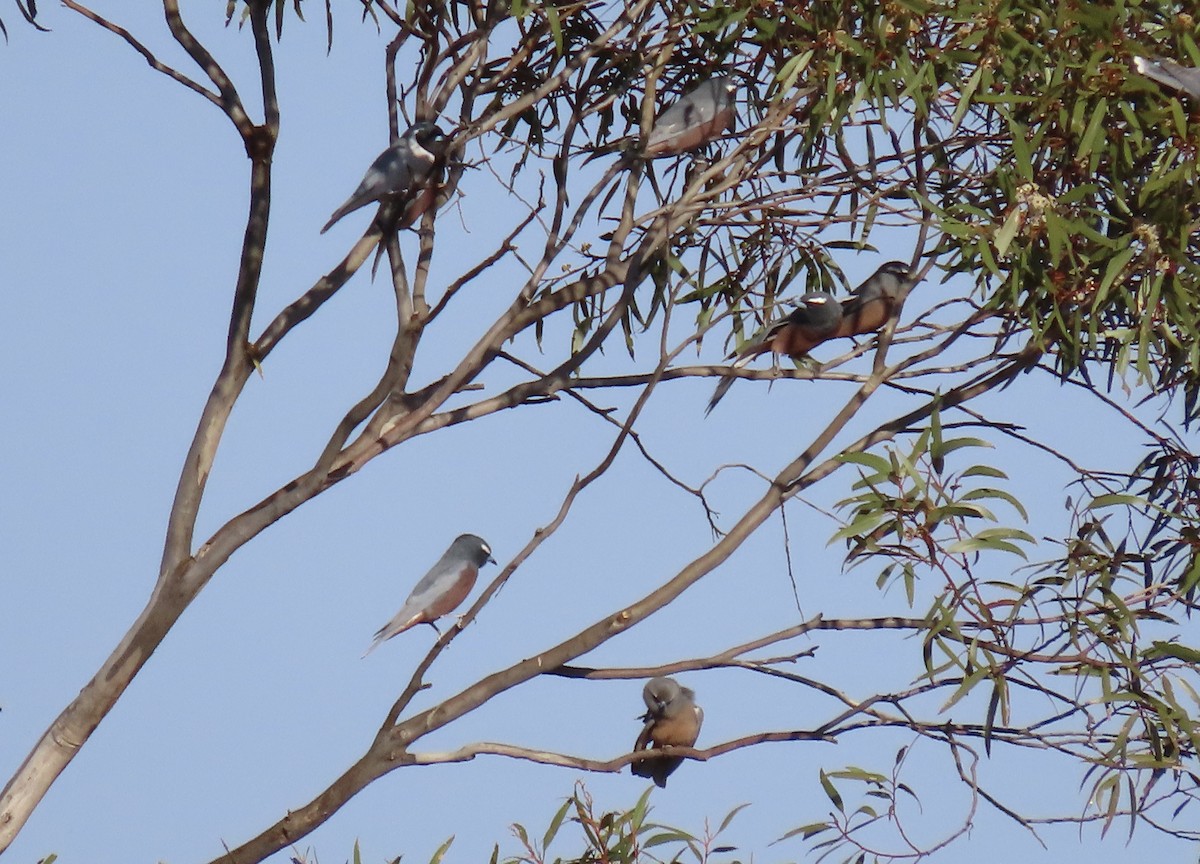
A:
x,y
819,318
1185,79
442,589
816,319
696,118
701,115
403,171
672,719
873,302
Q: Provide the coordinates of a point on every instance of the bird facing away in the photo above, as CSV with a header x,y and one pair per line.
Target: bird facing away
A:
x,y
819,318
815,320
672,719
403,171
1185,79
442,589
699,116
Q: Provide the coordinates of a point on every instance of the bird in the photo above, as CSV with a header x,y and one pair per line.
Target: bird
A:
x,y
403,171
672,719
442,589
819,318
872,303
1185,79
816,319
699,116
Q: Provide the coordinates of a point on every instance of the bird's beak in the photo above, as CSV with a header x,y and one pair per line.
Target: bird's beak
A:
x,y
491,560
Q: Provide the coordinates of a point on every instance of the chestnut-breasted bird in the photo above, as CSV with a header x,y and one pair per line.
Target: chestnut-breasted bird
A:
x,y
700,115
442,589
816,319
672,719
873,302
820,318
1185,79
403,172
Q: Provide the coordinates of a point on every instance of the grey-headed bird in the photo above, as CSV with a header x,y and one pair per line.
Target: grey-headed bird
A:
x,y
701,115
442,589
816,319
402,171
820,318
672,719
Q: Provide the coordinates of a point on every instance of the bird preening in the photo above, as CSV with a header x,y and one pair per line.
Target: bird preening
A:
x,y
820,317
442,589
672,719
407,173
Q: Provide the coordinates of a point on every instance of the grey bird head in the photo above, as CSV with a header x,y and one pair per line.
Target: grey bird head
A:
x,y
817,313
705,99
662,696
888,281
720,89
427,137
471,548
398,170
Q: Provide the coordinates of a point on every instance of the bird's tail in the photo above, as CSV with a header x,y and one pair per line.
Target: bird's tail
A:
x,y
404,619
339,213
625,146
727,380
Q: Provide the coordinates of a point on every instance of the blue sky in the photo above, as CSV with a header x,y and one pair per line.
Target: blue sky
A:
x,y
124,206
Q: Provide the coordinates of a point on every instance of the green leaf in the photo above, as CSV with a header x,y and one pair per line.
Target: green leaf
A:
x,y
958,443
876,463
555,824
730,816
441,851
937,451
982,539
964,98
968,683
666,837
990,719
1008,231
791,70
812,829
1094,130
1116,266
987,493
1116,499
984,471
555,23
1159,649
832,792
861,525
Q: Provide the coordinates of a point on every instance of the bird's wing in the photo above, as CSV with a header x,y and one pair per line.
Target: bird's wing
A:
x,y
390,172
